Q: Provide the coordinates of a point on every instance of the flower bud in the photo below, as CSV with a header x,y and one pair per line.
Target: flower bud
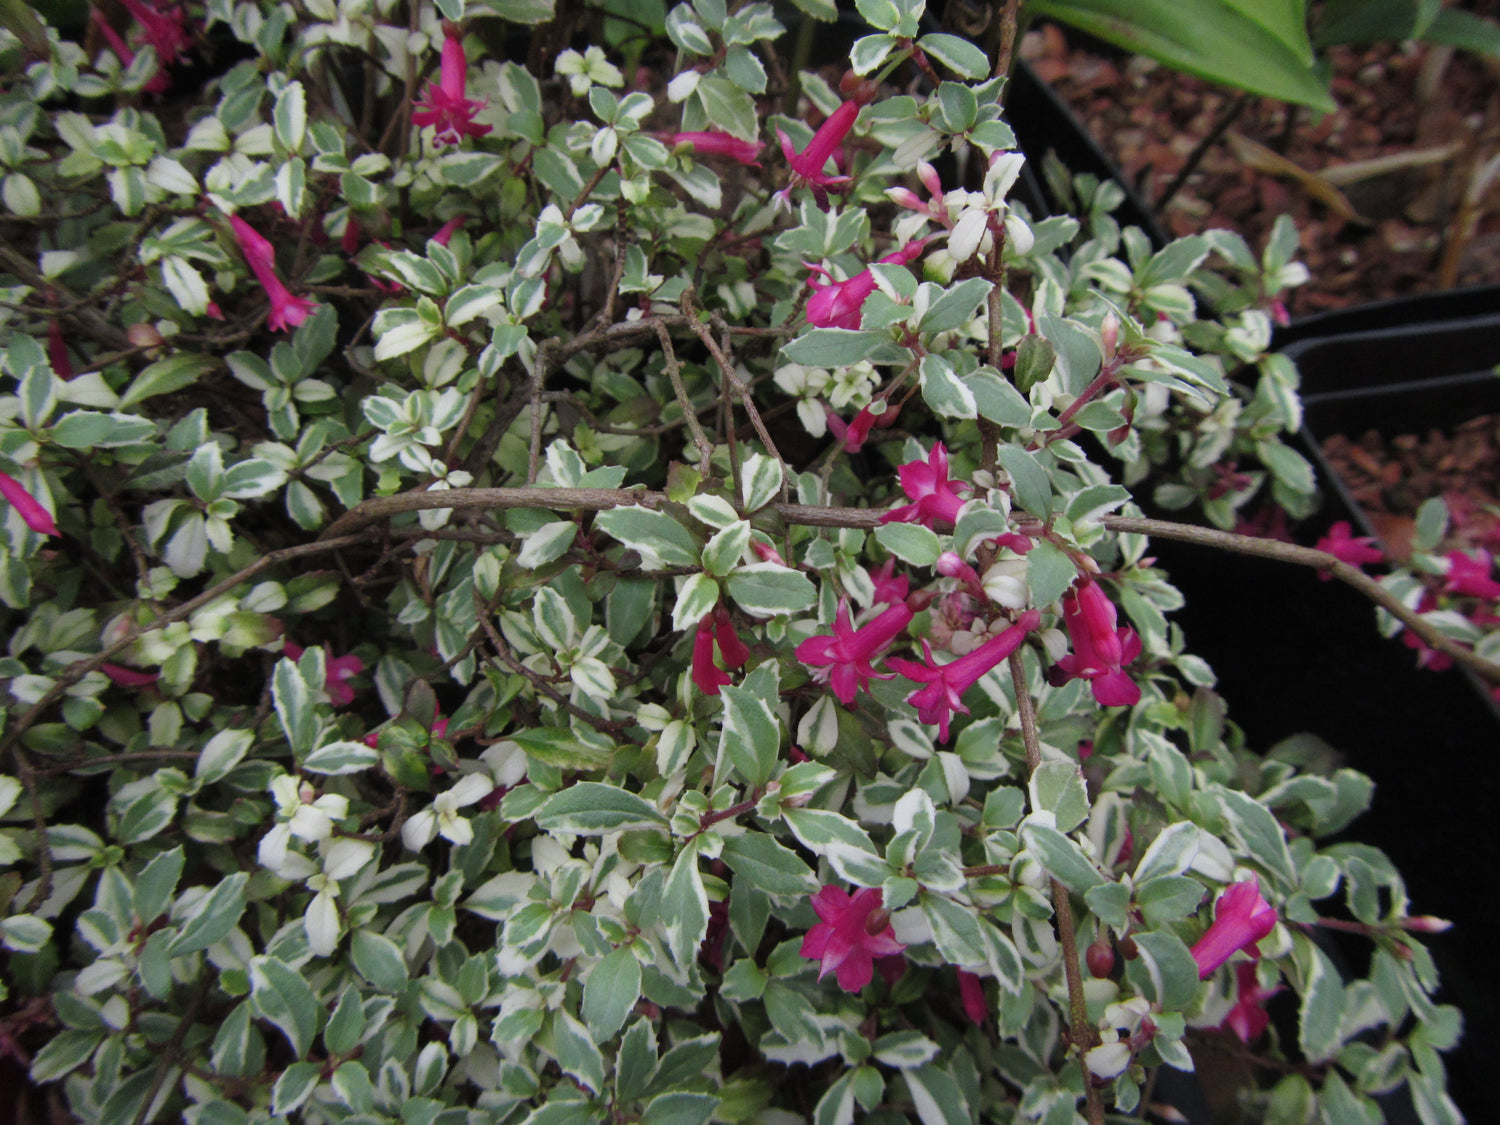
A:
x,y
143,335
1100,958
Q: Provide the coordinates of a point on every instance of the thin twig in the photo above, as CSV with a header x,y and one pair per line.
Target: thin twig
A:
x,y
1081,1030
1317,560
673,369
1009,24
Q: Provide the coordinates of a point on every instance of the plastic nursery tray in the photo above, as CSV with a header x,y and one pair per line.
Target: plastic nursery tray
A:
x,y
1296,654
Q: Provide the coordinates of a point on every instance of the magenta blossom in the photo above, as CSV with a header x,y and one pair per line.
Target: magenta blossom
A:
x,y
971,992
165,29
1099,649
716,628
445,106
1354,550
853,932
30,508
1248,1018
337,671
946,683
715,143
1469,574
928,486
890,587
836,304
287,311
1241,918
128,677
808,165
449,229
844,659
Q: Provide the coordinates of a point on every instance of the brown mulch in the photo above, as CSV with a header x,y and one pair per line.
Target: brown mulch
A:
x,y
1404,230
1389,478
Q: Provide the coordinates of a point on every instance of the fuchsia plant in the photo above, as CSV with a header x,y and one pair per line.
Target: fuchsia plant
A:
x,y
844,660
836,304
513,483
445,105
1099,648
946,683
287,310
854,931
714,143
808,165
931,490
37,517
1241,918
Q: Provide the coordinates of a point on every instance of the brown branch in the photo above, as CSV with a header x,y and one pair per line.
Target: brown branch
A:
x,y
81,668
1317,560
1081,1031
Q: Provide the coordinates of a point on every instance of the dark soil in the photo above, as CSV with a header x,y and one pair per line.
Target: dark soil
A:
x,y
1429,115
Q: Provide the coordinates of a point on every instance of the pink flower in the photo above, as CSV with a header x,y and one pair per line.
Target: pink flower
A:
x,y
444,106
930,489
716,628
57,352
1099,649
890,588
128,677
164,29
946,683
1248,1019
844,659
716,143
807,165
1356,551
1469,574
1241,918
951,565
337,670
37,517
971,991
853,932
449,229
287,311
836,304
851,436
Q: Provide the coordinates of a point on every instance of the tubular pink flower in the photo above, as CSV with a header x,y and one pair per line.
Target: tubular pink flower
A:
x,y
444,106
807,165
1241,918
889,587
853,932
971,991
715,143
1248,1018
449,229
37,517
1354,550
716,628
128,677
853,435
1469,574
836,304
844,659
164,29
57,352
1099,648
928,486
732,650
287,311
946,683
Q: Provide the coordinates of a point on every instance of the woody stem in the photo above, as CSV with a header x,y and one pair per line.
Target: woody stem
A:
x,y
1080,1031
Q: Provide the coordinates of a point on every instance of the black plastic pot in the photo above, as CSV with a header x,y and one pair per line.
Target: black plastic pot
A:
x,y
1295,654
1043,123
